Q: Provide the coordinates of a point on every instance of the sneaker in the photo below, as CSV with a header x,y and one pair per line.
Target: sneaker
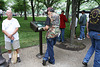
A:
x,y
79,39
50,62
44,63
9,61
59,40
84,63
18,59
84,38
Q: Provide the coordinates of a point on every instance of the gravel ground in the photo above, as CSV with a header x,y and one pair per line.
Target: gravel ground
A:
x,y
63,58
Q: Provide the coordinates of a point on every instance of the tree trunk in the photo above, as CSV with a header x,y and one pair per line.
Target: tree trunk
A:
x,y
21,14
25,16
38,9
74,2
32,10
67,8
78,7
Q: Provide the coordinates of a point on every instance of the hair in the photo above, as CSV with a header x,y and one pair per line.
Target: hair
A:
x,y
62,11
50,9
83,11
8,11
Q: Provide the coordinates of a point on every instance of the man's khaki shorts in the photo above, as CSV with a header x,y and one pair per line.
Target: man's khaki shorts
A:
x,y
15,45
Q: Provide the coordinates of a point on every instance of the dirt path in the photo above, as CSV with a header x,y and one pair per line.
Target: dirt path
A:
x,y
64,58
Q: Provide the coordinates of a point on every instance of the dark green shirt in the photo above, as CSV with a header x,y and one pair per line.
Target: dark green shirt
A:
x,y
82,21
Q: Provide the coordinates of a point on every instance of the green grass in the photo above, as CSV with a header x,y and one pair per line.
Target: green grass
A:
x,y
27,36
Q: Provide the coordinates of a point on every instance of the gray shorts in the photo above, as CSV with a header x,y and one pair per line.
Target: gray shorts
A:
x,y
15,44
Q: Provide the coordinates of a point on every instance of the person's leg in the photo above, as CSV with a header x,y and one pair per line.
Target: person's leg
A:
x,y
59,38
51,51
16,46
83,33
80,32
8,47
46,54
55,39
45,58
97,50
90,51
89,54
63,31
75,32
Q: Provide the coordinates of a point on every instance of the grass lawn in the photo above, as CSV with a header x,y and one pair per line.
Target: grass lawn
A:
x,y
27,36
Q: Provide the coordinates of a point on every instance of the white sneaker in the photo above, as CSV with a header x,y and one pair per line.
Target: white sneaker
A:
x,y
84,38
79,39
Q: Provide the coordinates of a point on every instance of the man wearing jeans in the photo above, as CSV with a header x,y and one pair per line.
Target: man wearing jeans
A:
x,y
63,19
94,33
82,23
52,27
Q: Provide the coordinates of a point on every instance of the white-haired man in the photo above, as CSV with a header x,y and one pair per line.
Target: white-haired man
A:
x,y
10,29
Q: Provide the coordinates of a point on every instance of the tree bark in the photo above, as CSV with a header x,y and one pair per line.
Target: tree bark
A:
x,y
21,14
32,10
74,4
78,7
38,9
25,16
67,8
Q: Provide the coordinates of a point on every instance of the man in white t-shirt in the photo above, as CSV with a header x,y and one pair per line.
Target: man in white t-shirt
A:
x,y
10,29
75,26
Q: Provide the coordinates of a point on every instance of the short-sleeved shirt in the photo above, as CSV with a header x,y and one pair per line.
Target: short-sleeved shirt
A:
x,y
75,22
9,26
83,21
47,21
54,30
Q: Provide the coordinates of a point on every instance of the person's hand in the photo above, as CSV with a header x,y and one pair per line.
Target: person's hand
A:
x,y
9,35
12,38
88,35
46,27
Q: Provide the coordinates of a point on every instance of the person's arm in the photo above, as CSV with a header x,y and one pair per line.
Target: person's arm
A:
x,y
87,30
65,19
7,34
15,31
47,24
10,35
46,27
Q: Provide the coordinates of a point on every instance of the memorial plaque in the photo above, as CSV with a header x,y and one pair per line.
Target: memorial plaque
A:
x,y
36,25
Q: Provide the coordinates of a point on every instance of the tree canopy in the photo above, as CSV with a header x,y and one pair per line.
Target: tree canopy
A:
x,y
48,3
2,4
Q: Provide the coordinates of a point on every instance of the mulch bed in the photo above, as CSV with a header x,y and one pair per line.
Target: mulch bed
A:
x,y
66,45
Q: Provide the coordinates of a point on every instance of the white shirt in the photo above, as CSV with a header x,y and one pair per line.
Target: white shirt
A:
x,y
87,19
75,22
9,26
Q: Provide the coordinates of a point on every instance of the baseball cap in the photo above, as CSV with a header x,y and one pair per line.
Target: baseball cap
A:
x,y
50,9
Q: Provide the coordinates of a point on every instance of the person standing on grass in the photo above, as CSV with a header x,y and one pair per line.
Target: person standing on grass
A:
x,y
10,29
63,19
75,25
82,23
52,28
93,32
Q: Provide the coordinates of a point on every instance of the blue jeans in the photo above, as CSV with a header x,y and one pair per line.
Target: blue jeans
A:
x,y
61,35
50,52
82,34
95,39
